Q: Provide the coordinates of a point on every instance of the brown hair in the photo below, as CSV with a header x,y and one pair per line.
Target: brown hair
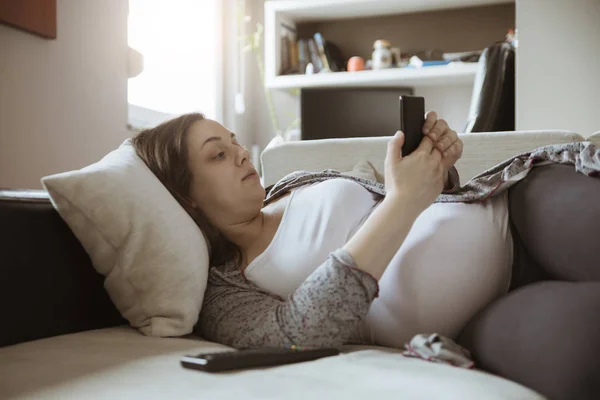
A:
x,y
164,150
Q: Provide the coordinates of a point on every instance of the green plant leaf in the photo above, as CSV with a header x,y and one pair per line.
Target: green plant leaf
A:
x,y
257,37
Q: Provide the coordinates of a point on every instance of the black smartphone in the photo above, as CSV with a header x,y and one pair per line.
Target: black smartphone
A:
x,y
251,358
412,119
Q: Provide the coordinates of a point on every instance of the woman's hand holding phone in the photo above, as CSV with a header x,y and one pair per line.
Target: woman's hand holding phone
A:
x,y
417,178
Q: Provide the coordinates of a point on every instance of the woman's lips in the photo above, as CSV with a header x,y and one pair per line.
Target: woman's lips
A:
x,y
250,175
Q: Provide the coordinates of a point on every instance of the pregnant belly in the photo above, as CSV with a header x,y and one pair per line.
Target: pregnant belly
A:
x,y
456,259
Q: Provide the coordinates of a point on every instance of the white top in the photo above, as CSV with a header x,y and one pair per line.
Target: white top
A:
x,y
456,258
318,219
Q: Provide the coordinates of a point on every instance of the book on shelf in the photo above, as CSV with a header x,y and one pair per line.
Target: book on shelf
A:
x,y
285,55
320,42
314,55
294,67
322,54
289,51
303,55
337,62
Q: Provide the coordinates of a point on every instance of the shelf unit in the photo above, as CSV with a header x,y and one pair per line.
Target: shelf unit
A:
x,y
292,12
456,73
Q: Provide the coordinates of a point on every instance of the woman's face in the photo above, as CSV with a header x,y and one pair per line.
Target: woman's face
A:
x,y
225,184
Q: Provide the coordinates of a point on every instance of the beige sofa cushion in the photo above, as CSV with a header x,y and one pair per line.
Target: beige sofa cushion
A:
x,y
120,363
481,151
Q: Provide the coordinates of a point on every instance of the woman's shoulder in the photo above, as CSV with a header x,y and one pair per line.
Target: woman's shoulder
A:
x,y
229,273
225,275
227,269
228,278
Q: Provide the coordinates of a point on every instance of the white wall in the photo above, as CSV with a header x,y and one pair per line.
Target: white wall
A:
x,y
558,65
63,102
286,103
450,102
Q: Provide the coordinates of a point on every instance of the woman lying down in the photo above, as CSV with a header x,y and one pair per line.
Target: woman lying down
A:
x,y
326,259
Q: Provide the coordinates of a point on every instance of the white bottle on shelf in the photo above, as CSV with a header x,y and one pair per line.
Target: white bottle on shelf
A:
x,y
382,54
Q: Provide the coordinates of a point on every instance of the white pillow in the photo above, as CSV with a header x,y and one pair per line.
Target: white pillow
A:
x,y
152,253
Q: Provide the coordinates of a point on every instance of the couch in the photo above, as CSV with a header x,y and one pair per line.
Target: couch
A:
x,y
62,338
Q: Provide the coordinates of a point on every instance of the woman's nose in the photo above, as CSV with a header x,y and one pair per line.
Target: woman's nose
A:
x,y
243,155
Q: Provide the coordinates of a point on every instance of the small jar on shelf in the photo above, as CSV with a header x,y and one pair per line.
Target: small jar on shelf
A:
x,y
382,54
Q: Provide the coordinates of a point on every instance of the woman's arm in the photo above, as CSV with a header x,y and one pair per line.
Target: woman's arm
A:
x,y
324,311
377,241
412,184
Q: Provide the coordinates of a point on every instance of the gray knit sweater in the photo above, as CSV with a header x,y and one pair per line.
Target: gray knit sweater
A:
x,y
328,306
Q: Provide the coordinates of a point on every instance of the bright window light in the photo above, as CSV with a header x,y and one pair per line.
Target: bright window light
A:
x,y
180,43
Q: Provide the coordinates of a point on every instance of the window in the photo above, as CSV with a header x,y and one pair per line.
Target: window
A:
x,y
180,41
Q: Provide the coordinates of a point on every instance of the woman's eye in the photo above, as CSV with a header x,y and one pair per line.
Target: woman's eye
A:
x,y
220,156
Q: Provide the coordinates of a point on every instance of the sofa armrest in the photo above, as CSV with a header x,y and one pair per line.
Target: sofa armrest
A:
x,y
594,138
481,151
48,285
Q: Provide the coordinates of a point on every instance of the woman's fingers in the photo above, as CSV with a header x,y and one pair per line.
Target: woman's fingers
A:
x,y
394,149
444,143
437,131
446,139
430,119
436,155
426,145
443,139
454,150
449,151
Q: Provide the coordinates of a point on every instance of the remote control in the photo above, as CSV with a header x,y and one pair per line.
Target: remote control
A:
x,y
250,358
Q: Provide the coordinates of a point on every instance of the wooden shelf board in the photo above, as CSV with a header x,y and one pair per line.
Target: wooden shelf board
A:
x,y
457,73
315,10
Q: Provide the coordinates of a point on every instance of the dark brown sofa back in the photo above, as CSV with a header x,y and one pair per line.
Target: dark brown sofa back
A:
x,y
48,285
